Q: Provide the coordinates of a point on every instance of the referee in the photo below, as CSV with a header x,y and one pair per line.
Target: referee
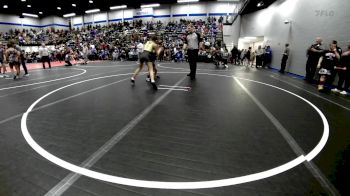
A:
x,y
45,55
192,43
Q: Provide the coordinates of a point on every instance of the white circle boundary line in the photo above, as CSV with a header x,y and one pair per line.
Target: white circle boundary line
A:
x,y
58,79
198,69
174,185
113,65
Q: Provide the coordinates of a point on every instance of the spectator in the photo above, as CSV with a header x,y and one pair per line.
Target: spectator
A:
x,y
285,56
259,57
343,69
326,63
234,55
224,55
314,53
334,72
2,58
267,57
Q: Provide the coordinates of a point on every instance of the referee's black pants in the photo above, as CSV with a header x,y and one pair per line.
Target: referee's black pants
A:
x,y
283,63
311,66
23,62
45,59
192,59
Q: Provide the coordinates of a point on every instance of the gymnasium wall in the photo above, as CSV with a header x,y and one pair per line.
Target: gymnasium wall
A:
x,y
309,19
8,22
164,13
232,33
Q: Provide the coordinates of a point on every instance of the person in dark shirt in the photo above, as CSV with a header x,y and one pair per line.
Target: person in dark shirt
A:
x,y
234,55
314,53
23,62
343,70
331,79
284,58
326,63
267,57
239,60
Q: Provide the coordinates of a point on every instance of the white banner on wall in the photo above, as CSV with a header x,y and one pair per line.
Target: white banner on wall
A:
x,y
144,11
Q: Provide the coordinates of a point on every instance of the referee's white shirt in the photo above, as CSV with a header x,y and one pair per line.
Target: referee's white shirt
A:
x,y
43,51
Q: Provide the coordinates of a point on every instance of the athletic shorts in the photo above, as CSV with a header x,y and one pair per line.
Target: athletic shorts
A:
x,y
153,57
11,64
147,57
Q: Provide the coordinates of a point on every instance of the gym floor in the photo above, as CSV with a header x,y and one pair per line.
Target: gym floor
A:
x,y
232,131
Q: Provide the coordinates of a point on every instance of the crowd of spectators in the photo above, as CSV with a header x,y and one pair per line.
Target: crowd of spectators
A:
x,y
117,41
259,58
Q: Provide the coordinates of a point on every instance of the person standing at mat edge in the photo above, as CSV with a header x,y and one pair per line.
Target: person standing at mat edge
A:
x,y
193,42
44,53
284,58
343,69
2,58
314,52
327,62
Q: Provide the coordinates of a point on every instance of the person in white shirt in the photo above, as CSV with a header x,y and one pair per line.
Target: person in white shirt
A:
x,y
224,55
139,49
115,55
85,53
259,57
44,53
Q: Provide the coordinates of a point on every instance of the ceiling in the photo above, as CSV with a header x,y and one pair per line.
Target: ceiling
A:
x,y
252,5
49,7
